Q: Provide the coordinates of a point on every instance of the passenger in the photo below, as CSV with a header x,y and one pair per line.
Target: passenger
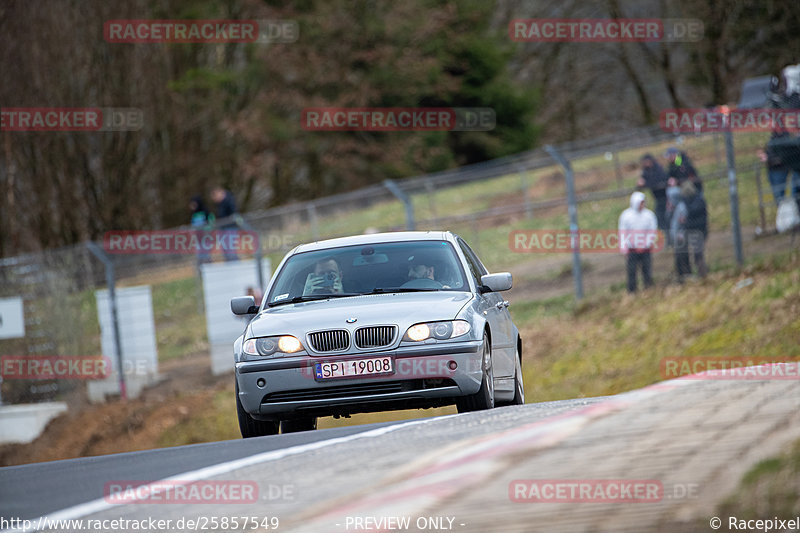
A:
x,y
326,278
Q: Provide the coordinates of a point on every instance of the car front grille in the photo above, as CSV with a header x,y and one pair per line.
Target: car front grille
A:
x,y
375,336
334,340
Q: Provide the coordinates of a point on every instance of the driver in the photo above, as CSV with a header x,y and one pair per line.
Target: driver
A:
x,y
424,269
326,278
421,271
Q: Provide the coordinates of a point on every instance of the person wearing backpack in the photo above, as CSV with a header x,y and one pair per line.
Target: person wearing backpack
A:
x,y
690,223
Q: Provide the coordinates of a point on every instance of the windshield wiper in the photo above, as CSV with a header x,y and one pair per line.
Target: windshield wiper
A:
x,y
384,290
313,297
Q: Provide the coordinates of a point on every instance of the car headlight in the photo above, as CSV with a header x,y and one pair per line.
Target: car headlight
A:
x,y
437,330
267,346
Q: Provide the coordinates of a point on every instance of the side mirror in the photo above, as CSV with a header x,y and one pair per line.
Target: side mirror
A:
x,y
498,282
244,305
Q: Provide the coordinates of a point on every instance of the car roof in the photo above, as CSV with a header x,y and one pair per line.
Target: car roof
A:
x,y
376,238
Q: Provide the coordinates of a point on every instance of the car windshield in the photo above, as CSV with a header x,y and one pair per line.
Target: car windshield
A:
x,y
369,269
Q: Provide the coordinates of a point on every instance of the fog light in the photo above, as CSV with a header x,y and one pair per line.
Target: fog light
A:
x,y
261,383
452,365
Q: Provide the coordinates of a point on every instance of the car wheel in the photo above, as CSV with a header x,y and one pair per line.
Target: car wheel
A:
x,y
484,398
299,424
249,426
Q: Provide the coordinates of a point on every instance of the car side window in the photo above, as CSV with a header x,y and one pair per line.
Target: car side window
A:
x,y
474,265
474,257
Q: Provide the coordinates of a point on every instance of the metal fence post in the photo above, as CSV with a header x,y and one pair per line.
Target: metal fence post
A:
x,y
406,199
617,169
112,302
312,218
523,184
733,192
257,253
431,190
761,213
577,273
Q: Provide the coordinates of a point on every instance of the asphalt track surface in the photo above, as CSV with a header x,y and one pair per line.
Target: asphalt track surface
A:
x,y
693,438
42,489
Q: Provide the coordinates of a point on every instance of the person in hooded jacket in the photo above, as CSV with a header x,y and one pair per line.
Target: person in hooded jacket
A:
x,y
690,230
637,230
682,169
655,178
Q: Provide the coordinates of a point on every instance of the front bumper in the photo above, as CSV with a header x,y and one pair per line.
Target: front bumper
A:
x,y
422,377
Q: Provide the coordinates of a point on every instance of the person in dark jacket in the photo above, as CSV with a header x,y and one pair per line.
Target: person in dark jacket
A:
x,y
655,179
226,211
778,170
690,227
681,168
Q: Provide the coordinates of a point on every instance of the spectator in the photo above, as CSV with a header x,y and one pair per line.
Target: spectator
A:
x,y
202,220
690,229
256,293
778,169
635,222
226,210
655,179
681,168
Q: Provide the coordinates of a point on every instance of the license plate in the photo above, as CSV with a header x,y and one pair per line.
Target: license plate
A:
x,y
354,368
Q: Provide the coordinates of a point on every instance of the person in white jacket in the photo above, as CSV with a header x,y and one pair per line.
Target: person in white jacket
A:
x,y
637,235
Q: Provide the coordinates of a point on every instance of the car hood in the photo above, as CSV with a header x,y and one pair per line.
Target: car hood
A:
x,y
402,309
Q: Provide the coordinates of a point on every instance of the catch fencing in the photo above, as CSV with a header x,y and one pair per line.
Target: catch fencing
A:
x,y
487,204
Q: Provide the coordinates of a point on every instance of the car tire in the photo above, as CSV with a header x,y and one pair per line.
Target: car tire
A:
x,y
249,426
484,398
299,424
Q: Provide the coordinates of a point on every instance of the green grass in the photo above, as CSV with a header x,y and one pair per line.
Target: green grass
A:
x,y
180,322
614,343
215,421
770,489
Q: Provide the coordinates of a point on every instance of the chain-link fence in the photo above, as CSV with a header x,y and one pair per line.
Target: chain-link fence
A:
x,y
66,311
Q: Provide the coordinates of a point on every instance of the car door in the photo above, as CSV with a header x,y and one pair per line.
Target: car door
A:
x,y
497,315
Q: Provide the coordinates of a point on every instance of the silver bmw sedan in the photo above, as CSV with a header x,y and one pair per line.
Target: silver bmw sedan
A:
x,y
375,323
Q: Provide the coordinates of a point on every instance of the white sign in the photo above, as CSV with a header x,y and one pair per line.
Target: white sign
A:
x,y
12,318
137,334
221,282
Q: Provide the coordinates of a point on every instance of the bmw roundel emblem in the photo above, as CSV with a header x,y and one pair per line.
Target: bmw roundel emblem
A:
x,y
351,320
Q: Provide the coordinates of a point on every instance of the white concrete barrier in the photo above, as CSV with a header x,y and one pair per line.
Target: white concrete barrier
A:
x,y
21,424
